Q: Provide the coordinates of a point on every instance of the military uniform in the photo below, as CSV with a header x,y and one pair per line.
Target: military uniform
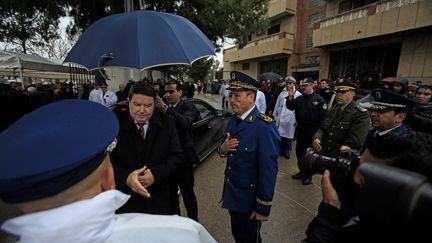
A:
x,y
385,100
250,174
343,125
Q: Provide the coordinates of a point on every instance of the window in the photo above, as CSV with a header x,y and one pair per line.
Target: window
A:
x,y
314,18
312,60
309,42
344,6
204,111
314,3
245,66
275,28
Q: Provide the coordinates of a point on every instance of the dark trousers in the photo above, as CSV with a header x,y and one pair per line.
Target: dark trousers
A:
x,y
244,229
304,141
285,146
184,179
224,102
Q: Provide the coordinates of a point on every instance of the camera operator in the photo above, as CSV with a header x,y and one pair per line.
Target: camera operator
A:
x,y
409,151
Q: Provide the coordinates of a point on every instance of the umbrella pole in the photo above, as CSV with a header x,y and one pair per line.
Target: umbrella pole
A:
x,y
151,75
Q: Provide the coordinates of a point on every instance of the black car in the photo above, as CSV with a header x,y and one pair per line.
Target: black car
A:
x,y
207,132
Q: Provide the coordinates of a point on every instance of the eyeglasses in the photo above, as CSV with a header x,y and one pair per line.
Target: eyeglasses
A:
x,y
170,91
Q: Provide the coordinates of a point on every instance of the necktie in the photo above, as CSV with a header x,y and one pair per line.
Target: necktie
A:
x,y
141,129
238,120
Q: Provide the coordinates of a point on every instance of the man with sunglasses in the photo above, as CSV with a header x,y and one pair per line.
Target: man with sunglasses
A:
x,y
184,114
345,125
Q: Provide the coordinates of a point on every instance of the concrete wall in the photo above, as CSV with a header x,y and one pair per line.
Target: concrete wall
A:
x,y
415,61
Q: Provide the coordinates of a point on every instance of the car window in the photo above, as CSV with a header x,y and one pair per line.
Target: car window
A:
x,y
204,110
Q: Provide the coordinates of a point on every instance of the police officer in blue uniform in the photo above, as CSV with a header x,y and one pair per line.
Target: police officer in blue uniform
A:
x,y
252,149
388,113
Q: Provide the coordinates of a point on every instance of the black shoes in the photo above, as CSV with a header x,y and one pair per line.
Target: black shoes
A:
x,y
307,180
297,176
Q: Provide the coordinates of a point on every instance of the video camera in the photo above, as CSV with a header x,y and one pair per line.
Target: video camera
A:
x,y
394,196
341,167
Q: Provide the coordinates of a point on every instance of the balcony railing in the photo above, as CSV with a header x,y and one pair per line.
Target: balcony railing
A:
x,y
365,11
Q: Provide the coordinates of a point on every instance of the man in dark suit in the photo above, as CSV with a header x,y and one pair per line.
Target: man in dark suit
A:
x,y
252,149
147,153
184,114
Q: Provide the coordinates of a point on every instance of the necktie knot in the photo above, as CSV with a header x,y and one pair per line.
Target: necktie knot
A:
x,y
141,129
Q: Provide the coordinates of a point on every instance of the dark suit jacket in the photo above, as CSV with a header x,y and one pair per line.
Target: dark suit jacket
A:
x,y
184,114
161,152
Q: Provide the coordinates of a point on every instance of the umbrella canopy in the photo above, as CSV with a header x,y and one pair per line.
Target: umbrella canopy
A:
x,y
140,40
270,76
389,79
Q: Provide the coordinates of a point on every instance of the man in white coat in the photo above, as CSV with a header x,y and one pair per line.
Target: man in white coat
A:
x,y
109,98
69,195
285,118
224,93
260,102
96,94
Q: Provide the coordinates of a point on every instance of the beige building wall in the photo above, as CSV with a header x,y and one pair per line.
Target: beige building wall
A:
x,y
416,58
408,20
265,47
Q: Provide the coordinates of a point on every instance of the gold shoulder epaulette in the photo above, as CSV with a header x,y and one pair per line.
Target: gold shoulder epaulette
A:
x,y
361,108
265,118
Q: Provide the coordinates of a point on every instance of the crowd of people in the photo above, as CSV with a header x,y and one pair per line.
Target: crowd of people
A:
x,y
124,173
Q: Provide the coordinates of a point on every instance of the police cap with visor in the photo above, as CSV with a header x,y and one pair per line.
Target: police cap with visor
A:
x,y
54,148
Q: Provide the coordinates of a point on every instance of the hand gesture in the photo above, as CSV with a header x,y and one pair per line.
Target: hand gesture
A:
x,y
229,145
133,182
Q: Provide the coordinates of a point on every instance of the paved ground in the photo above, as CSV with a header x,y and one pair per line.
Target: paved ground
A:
x,y
294,204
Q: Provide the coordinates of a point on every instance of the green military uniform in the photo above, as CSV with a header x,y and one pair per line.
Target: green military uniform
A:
x,y
348,126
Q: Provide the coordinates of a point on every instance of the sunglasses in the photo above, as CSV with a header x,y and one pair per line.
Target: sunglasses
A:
x,y
170,91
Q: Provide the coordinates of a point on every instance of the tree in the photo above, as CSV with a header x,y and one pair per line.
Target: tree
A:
x,y
235,19
200,69
29,24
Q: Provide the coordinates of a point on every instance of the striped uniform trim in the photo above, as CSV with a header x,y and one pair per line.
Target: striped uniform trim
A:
x,y
265,203
241,85
343,87
382,105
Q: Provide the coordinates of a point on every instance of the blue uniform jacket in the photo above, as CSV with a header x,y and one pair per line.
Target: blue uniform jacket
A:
x,y
250,174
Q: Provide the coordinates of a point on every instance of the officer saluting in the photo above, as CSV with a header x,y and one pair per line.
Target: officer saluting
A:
x,y
252,149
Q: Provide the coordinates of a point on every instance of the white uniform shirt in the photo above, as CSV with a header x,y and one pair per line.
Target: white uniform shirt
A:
x,y
285,118
94,220
260,102
109,98
96,96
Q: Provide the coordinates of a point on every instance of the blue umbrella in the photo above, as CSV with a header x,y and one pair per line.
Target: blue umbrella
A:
x,y
140,40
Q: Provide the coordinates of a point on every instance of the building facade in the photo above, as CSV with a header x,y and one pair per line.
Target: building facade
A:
x,y
269,52
362,38
341,38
